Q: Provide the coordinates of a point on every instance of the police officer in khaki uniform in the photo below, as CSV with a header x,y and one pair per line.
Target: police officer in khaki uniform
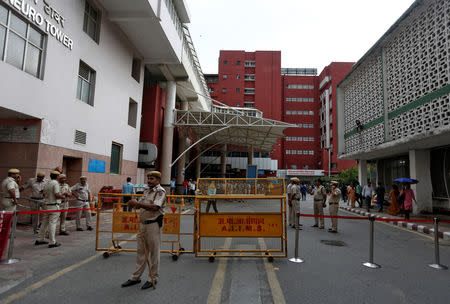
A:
x,y
83,195
52,199
36,185
64,189
10,189
151,207
320,198
294,199
335,197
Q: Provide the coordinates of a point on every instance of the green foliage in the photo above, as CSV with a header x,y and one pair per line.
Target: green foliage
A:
x,y
348,176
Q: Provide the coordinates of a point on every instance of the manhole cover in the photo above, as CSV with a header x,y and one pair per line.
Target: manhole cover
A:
x,y
333,243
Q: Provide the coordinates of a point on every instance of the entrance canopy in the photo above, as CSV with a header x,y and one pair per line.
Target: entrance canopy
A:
x,y
233,126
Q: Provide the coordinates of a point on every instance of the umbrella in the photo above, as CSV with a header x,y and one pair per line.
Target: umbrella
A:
x,y
406,180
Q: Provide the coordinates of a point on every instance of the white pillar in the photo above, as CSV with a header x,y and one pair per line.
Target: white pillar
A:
x,y
166,154
362,172
198,165
223,161
419,168
181,164
250,156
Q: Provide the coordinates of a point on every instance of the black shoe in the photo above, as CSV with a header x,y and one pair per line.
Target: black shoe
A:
x,y
131,283
332,231
90,228
54,245
63,233
79,229
315,225
148,284
40,243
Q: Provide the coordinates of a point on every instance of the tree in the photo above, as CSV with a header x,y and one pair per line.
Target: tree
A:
x,y
348,176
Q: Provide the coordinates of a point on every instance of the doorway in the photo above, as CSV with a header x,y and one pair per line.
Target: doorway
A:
x,y
72,167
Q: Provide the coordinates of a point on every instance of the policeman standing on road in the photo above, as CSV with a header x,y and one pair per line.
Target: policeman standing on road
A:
x,y
294,202
83,195
52,199
36,185
64,189
151,207
320,198
10,189
335,196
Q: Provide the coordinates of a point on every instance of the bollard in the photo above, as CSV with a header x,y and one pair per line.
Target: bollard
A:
x,y
12,236
437,264
296,259
371,264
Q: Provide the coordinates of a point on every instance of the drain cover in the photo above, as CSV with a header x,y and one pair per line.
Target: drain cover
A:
x,y
333,243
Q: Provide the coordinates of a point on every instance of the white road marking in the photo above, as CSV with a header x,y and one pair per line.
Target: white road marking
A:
x,y
275,288
215,293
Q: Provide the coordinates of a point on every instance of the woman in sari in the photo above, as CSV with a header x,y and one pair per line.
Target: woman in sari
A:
x,y
352,195
394,207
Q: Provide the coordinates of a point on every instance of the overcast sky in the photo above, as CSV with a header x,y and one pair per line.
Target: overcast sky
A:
x,y
309,33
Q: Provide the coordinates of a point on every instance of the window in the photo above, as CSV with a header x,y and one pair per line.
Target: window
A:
x,y
91,23
249,91
116,158
249,105
21,45
238,62
136,69
250,63
225,62
238,90
211,90
225,76
224,90
237,104
86,84
249,77
238,76
132,113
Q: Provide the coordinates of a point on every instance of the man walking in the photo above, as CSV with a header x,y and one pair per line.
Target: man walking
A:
x,y
127,188
367,193
151,207
52,199
320,197
335,196
83,196
64,189
303,191
10,189
358,190
173,184
380,191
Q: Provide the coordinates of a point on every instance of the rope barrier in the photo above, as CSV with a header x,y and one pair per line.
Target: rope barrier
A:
x,y
376,218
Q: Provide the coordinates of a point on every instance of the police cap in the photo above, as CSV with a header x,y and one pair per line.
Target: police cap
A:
x,y
154,174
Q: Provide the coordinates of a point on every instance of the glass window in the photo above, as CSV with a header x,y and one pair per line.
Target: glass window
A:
x,y
16,50
33,60
2,41
132,113
35,37
225,76
86,83
238,62
238,76
225,62
116,158
3,15
238,90
91,22
136,69
18,25
224,90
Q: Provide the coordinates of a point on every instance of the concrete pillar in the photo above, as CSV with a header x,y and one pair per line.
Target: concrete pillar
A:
x,y
362,172
166,153
419,168
181,148
250,156
198,165
223,161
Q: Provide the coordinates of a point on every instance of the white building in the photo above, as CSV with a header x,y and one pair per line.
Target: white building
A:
x,y
73,79
394,105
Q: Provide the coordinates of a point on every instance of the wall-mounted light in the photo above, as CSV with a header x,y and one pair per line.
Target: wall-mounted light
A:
x,y
359,126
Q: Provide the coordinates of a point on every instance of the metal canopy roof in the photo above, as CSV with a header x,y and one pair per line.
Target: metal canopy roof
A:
x,y
234,127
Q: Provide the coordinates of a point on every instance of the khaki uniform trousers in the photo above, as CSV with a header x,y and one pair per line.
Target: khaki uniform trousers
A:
x,y
62,218
318,210
83,205
7,205
334,212
49,221
152,235
293,210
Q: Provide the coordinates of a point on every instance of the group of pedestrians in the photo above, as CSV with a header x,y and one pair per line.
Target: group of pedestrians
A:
x,y
51,195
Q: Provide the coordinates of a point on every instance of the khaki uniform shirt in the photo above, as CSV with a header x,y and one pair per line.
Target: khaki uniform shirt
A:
x,y
320,193
50,189
64,188
153,196
9,183
335,196
36,187
295,191
82,191
288,189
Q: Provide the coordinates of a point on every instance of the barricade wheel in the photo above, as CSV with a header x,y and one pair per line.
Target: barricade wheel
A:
x,y
106,255
174,257
270,259
182,250
211,259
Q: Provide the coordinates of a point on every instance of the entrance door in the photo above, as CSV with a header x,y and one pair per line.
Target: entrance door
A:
x,y
72,167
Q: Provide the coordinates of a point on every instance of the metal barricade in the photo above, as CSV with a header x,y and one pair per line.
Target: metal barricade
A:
x,y
116,227
249,218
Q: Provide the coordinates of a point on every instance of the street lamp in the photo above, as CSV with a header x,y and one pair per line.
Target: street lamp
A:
x,y
329,161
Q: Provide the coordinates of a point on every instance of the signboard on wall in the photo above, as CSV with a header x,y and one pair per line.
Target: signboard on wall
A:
x,y
96,166
304,172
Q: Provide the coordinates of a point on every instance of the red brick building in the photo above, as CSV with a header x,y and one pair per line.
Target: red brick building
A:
x,y
293,95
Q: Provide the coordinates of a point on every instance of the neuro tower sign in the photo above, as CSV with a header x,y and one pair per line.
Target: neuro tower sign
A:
x,y
46,22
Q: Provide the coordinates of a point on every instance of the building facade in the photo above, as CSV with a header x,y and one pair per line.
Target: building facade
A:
x,y
393,107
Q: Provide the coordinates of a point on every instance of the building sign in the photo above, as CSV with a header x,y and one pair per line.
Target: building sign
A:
x,y
52,22
305,172
19,134
96,166
241,225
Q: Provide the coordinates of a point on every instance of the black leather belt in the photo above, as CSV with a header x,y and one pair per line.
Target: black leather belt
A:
x,y
84,201
334,203
52,204
149,222
37,198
